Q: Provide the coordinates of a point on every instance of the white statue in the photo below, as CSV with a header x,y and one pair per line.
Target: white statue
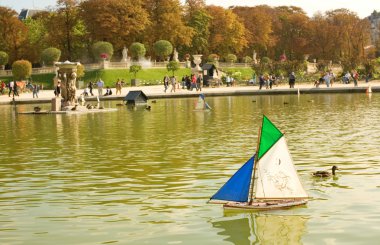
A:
x,y
125,55
175,55
254,57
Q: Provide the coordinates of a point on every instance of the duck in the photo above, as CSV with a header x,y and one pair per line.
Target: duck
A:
x,y
154,101
148,108
37,109
285,102
74,108
253,101
326,173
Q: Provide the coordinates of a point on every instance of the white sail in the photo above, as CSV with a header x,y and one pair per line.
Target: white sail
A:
x,y
276,176
200,104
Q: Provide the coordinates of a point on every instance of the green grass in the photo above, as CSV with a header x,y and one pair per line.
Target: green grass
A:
x,y
152,76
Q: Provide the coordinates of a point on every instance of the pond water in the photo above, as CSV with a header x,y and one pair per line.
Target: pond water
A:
x,y
144,177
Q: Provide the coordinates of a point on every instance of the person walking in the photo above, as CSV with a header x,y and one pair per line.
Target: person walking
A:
x,y
292,80
173,83
166,83
36,89
10,88
90,87
355,76
100,85
199,83
118,86
327,79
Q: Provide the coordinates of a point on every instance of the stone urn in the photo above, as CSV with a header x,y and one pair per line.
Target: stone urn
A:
x,y
197,60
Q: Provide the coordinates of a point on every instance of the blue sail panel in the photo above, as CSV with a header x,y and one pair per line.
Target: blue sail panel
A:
x,y
237,187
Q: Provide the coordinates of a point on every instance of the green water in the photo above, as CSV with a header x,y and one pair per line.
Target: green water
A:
x,y
144,177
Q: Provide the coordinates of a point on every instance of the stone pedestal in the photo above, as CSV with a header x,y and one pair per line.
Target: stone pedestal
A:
x,y
56,104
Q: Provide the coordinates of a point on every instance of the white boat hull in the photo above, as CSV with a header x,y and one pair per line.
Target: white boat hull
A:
x,y
264,205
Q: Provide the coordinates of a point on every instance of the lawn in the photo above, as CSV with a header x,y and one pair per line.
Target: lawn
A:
x,y
152,76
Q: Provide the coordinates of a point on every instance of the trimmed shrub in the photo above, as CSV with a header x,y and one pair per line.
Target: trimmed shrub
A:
x,y
137,50
102,50
3,58
212,57
21,69
50,55
162,49
247,59
231,58
80,71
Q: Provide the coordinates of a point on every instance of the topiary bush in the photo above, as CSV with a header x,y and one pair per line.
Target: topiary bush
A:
x,y
21,69
137,50
247,59
162,49
50,55
80,71
212,57
102,50
3,58
231,58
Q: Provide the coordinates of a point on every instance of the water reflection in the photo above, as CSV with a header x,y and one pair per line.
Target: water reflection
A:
x,y
115,176
252,228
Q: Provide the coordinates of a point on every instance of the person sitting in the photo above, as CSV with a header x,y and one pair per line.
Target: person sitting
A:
x,y
108,92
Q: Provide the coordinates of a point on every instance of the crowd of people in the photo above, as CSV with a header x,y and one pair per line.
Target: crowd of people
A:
x,y
14,88
188,82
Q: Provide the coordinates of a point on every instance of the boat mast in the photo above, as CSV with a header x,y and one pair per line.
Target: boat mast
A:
x,y
256,161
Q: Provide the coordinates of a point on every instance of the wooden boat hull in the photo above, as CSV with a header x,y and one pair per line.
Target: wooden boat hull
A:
x,y
264,205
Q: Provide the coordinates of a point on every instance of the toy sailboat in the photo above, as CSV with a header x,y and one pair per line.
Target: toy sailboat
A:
x,y
202,104
268,180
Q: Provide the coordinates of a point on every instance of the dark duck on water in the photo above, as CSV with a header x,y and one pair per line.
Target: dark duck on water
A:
x,y
326,173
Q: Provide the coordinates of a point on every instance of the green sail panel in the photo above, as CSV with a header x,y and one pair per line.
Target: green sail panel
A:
x,y
269,136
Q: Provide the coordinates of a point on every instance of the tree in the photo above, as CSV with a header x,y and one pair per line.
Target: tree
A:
x,y
3,59
200,22
167,23
50,55
21,69
163,49
227,33
115,21
37,37
13,33
102,48
258,22
134,69
172,66
68,17
137,50
292,31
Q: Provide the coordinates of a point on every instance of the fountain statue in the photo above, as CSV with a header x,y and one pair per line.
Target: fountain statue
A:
x,y
67,76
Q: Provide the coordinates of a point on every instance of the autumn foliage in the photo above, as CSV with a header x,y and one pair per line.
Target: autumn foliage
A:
x,y
193,28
